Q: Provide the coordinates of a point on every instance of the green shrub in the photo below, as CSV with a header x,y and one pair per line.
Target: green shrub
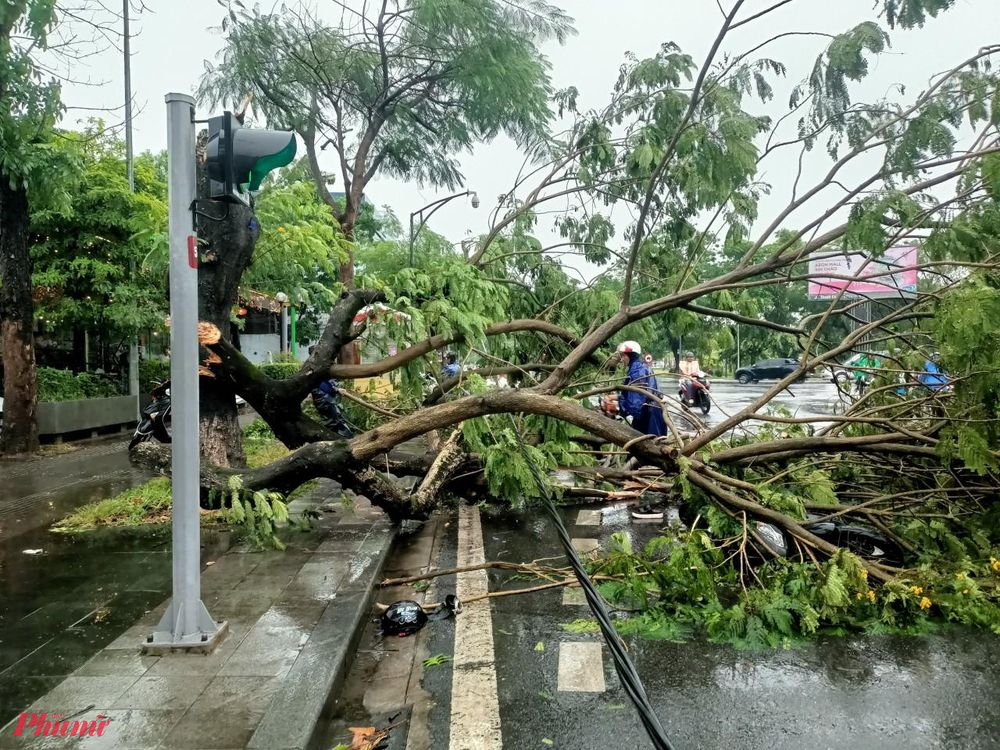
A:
x,y
64,385
280,370
258,430
152,372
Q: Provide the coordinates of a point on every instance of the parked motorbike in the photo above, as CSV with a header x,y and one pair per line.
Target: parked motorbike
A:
x,y
155,422
694,392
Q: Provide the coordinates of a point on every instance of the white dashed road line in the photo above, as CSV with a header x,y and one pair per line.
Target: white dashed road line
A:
x,y
475,707
581,667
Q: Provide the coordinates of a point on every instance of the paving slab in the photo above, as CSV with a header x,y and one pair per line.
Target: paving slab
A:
x,y
294,622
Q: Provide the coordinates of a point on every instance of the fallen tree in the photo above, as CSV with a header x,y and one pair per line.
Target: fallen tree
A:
x,y
919,464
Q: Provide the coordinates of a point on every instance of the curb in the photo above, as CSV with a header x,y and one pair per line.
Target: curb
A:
x,y
293,720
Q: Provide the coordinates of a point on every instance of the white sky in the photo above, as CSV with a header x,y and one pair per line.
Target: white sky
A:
x,y
175,38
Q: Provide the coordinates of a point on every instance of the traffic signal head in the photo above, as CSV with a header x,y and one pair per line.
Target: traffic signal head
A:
x,y
238,158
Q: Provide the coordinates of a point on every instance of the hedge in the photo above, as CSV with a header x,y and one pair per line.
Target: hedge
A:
x,y
65,385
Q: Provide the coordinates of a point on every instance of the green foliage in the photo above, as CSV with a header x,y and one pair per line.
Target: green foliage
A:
x,y
909,13
65,385
89,255
487,79
692,591
152,372
258,430
258,515
30,104
279,370
967,325
300,246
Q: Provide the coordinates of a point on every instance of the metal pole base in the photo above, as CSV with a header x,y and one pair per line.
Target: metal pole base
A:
x,y
186,630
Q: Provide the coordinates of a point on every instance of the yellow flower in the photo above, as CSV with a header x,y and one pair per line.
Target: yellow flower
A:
x,y
281,230
859,596
995,564
864,574
871,596
960,576
917,591
965,591
925,603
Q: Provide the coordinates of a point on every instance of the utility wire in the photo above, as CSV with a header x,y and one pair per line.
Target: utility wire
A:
x,y
627,673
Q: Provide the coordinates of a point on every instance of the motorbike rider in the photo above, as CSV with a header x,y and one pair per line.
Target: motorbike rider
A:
x,y
933,377
646,414
326,399
451,366
863,374
689,365
690,368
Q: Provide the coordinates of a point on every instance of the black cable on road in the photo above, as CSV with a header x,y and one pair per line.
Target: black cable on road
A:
x,y
627,673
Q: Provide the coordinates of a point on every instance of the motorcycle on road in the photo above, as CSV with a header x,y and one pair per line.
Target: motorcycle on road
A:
x,y
694,391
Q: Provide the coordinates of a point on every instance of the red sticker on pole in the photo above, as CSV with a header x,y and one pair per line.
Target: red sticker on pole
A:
x,y
192,251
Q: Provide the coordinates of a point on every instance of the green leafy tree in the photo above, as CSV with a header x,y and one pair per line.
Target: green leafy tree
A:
x,y
399,88
31,174
89,258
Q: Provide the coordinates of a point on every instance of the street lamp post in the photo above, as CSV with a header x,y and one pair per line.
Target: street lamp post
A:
x,y
282,299
434,207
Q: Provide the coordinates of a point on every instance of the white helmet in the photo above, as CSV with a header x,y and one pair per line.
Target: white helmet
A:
x,y
629,347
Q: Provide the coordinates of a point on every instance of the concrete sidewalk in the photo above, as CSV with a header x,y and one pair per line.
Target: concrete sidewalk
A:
x,y
294,618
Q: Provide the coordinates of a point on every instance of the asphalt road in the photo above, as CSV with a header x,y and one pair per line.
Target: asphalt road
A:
x,y
809,398
556,689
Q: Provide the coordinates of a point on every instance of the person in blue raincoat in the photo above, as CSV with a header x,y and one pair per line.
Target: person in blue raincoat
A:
x,y
646,414
933,377
451,366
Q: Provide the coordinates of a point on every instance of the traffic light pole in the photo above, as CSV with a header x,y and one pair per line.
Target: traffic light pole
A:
x,y
186,623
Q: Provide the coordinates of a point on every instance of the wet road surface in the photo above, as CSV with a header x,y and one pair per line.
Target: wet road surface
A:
x,y
810,398
559,689
937,691
40,490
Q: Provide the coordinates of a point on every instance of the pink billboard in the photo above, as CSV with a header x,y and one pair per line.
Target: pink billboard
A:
x,y
893,274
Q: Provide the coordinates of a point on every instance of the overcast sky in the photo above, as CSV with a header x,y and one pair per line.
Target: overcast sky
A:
x,y
175,37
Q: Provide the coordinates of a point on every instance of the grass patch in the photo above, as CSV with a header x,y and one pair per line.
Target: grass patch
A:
x,y
147,503
260,452
150,503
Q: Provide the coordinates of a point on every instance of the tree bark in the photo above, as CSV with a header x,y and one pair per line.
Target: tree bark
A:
x,y
20,419
227,234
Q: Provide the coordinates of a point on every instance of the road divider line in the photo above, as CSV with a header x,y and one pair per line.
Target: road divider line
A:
x,y
475,706
581,667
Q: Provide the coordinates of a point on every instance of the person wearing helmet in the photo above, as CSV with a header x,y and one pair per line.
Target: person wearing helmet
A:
x,y
689,365
646,414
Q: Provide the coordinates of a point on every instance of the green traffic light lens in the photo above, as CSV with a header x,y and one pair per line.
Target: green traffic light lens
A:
x,y
266,164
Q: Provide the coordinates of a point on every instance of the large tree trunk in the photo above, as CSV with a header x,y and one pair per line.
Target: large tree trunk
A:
x,y
20,422
349,354
226,245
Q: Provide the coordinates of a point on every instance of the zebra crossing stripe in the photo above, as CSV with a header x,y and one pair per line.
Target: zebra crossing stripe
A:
x,y
581,667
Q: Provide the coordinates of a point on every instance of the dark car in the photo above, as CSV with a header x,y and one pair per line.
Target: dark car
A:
x,y
767,369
